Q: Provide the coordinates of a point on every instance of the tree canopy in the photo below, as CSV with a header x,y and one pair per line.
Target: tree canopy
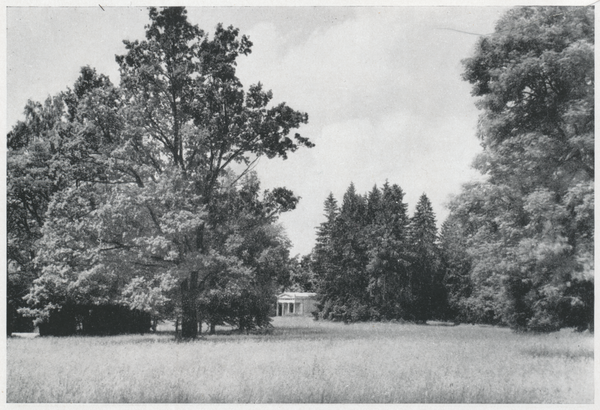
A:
x,y
148,199
529,224
142,195
517,247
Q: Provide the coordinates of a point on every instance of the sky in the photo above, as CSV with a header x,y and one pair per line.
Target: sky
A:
x,y
381,85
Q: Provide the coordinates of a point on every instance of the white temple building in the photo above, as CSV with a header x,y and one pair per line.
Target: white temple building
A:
x,y
295,303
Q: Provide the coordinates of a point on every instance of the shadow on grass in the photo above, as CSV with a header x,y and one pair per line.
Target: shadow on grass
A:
x,y
302,329
268,334
543,351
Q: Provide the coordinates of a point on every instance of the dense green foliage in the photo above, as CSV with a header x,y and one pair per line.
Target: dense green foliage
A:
x,y
517,248
125,195
54,147
519,244
373,262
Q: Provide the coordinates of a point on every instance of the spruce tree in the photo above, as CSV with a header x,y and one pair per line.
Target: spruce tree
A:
x,y
388,257
324,262
351,281
425,260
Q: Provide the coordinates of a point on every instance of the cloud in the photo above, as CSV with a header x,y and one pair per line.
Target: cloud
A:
x,y
398,148
365,66
331,73
47,46
386,102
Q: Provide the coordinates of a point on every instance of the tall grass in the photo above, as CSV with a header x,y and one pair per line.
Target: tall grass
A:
x,y
302,361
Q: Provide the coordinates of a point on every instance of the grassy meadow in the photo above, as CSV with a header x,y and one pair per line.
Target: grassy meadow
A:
x,y
303,361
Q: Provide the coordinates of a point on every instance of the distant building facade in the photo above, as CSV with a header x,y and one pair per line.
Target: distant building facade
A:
x,y
296,303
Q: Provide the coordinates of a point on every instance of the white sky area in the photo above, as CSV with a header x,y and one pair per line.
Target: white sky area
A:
x,y
381,85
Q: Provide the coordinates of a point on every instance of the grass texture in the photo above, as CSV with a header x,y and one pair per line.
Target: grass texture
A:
x,y
303,361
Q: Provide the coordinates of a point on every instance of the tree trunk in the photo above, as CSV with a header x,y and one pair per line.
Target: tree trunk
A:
x,y
189,322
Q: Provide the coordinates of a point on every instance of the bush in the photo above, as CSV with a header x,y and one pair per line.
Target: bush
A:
x,y
95,320
16,322
576,307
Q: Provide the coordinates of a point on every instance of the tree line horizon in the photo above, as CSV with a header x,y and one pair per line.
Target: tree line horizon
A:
x,y
123,208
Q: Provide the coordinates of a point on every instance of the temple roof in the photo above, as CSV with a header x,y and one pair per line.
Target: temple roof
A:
x,y
296,295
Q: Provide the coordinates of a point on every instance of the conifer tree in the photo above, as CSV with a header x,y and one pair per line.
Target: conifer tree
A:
x,y
350,240
388,253
425,265
323,252
325,263
341,258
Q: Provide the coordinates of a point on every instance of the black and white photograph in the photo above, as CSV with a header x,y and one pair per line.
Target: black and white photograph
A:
x,y
299,203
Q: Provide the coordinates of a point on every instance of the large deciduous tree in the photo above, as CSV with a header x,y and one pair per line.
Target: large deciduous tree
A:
x,y
156,214
54,146
530,223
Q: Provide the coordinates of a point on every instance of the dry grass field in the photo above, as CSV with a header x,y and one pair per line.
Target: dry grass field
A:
x,y
303,361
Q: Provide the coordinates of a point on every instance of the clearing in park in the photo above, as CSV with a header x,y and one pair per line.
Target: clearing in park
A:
x,y
304,361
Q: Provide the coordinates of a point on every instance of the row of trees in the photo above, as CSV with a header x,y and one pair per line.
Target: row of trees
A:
x,y
518,246
125,195
373,262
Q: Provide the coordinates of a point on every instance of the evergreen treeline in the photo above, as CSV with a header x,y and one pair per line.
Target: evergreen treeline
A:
x,y
374,262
